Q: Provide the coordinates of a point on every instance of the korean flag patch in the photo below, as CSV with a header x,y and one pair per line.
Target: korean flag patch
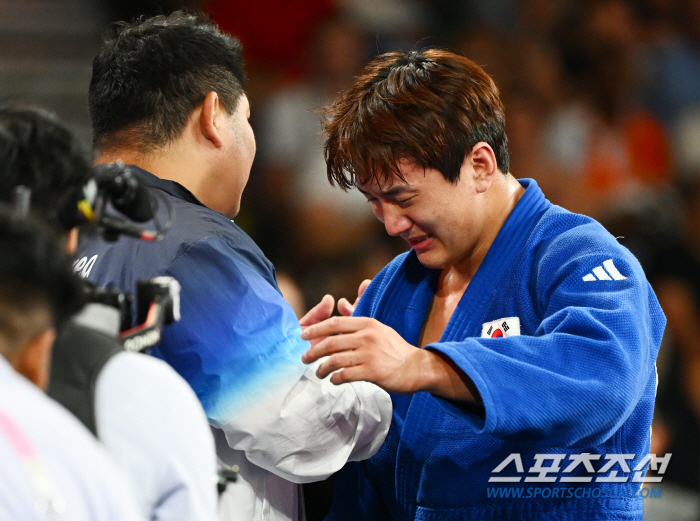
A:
x,y
502,327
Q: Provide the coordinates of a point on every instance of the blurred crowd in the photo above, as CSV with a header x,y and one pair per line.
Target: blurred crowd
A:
x,y
603,105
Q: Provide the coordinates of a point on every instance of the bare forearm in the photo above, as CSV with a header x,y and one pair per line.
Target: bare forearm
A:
x,y
439,375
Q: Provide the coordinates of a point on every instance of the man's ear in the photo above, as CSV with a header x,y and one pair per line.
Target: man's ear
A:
x,y
33,360
483,161
209,119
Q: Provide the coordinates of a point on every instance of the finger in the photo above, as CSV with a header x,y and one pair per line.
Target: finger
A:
x,y
362,288
319,312
345,308
312,343
356,373
335,325
338,361
331,345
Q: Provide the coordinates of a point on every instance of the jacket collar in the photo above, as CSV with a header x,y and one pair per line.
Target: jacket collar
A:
x,y
170,187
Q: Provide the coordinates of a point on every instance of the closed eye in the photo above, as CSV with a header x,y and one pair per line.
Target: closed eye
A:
x,y
404,201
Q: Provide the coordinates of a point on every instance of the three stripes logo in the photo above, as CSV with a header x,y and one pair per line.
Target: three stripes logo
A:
x,y
609,273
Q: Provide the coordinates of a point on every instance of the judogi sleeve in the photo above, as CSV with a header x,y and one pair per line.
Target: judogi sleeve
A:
x,y
239,346
577,379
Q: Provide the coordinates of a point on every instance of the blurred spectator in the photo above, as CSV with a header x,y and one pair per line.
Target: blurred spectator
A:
x,y
668,57
275,34
676,276
161,439
393,24
290,141
606,141
130,9
660,228
51,465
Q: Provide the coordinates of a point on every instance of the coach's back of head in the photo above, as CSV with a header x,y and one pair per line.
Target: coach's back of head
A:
x,y
167,94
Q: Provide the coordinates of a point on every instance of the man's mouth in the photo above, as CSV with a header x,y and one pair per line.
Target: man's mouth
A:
x,y
420,242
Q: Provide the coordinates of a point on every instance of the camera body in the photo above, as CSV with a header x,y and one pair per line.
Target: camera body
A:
x,y
157,305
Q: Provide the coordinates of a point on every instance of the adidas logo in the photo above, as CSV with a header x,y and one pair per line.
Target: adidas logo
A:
x,y
601,274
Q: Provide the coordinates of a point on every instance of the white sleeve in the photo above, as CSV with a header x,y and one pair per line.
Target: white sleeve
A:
x,y
151,422
311,431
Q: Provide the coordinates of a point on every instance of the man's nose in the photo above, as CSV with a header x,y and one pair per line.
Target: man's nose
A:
x,y
395,221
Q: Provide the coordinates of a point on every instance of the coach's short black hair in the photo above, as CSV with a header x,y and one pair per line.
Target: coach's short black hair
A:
x,y
35,276
153,73
39,152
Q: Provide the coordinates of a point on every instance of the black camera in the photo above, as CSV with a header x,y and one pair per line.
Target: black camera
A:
x,y
114,200
157,305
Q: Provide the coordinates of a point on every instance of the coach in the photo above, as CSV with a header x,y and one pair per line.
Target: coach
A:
x,y
167,96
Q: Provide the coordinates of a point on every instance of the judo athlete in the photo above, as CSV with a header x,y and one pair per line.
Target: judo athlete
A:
x,y
513,337
167,96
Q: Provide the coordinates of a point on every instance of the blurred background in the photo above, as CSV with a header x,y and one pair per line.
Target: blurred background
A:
x,y
603,109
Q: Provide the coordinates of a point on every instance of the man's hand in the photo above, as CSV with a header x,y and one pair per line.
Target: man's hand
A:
x,y
365,349
320,312
324,309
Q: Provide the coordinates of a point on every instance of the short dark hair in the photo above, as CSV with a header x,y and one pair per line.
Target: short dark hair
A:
x,y
151,75
429,107
39,152
35,276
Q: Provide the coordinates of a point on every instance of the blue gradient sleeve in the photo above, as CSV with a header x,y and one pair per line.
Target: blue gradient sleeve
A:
x,y
238,340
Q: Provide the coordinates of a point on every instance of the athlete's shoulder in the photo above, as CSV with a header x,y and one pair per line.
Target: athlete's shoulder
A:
x,y
561,232
577,254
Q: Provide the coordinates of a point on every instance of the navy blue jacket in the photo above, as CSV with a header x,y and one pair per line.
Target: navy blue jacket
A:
x,y
234,319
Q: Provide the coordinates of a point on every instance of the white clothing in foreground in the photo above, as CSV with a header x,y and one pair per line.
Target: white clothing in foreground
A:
x,y
151,422
87,484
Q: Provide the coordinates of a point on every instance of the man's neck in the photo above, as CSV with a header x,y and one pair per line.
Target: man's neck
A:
x,y
165,164
505,194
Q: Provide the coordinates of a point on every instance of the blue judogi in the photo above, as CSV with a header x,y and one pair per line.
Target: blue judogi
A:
x,y
579,377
